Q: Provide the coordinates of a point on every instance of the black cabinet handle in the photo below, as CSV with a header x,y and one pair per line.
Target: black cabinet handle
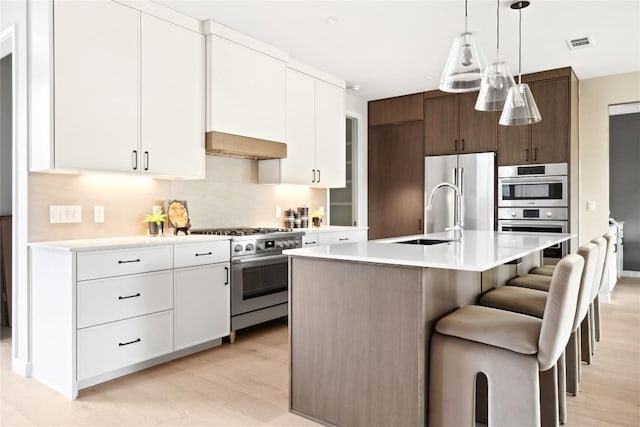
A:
x,y
309,243
535,154
313,179
146,160
121,344
318,175
130,296
128,261
419,224
226,269
205,254
526,154
342,239
455,145
462,144
134,160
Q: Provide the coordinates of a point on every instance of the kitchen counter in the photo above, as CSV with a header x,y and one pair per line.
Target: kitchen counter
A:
x,y
329,228
123,242
361,317
478,251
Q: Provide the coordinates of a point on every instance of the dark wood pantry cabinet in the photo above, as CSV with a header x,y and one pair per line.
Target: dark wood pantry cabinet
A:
x,y
453,126
396,179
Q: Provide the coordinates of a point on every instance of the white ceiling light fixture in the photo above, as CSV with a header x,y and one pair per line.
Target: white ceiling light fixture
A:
x,y
520,107
497,79
465,65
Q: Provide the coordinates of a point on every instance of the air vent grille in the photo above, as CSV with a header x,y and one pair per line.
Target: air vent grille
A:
x,y
579,43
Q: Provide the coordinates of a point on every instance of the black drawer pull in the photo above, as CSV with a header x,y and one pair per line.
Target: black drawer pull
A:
x,y
205,254
128,261
130,296
342,239
227,270
121,344
309,243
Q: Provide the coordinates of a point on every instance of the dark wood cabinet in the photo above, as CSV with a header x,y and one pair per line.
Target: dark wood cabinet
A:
x,y
543,142
6,286
396,180
400,109
453,126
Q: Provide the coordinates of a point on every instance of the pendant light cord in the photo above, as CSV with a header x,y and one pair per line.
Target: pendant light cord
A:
x,y
498,31
520,47
465,16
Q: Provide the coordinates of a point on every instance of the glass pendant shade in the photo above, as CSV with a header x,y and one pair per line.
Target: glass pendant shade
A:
x,y
463,72
496,82
520,107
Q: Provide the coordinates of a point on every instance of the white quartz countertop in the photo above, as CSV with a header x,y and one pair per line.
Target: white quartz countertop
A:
x,y
478,250
124,242
329,228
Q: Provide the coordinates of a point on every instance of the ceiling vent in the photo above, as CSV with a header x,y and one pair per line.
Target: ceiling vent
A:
x,y
579,43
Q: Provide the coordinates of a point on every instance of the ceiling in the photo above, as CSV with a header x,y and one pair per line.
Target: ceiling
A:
x,y
392,48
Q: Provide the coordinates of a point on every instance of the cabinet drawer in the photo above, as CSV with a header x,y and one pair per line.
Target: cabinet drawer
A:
x,y
115,345
94,265
117,298
201,253
310,239
350,236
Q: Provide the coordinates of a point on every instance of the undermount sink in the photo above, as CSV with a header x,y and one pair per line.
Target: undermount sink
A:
x,y
424,241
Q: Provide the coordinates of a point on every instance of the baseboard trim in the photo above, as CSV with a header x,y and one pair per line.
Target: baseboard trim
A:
x,y
629,273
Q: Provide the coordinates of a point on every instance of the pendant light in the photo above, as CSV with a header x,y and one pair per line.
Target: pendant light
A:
x,y
520,107
463,71
497,79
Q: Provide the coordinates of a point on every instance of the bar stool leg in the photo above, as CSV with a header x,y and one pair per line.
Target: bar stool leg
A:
x,y
562,388
596,315
585,338
549,406
573,363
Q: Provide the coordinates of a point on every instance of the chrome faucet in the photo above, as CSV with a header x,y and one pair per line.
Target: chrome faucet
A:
x,y
459,212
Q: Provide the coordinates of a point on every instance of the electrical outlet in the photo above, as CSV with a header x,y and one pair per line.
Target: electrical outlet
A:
x,y
278,212
98,214
591,206
65,214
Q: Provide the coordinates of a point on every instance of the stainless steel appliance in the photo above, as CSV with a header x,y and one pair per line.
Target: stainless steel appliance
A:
x,y
535,185
259,273
474,175
534,199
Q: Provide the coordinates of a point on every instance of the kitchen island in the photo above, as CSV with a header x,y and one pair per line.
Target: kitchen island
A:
x,y
361,317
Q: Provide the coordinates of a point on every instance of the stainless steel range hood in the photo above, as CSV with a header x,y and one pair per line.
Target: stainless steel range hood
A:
x,y
225,144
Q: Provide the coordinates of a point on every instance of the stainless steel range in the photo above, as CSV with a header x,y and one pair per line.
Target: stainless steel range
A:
x,y
259,273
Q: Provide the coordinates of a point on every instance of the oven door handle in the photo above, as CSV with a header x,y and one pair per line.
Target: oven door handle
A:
x,y
260,259
540,224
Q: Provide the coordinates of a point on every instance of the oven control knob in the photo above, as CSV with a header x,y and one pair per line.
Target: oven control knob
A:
x,y
260,246
238,248
513,214
549,214
249,247
280,244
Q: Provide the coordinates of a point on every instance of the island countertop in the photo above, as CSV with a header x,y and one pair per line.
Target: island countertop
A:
x,y
477,251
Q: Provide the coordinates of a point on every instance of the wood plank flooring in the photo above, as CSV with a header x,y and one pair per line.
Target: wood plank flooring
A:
x,y
246,384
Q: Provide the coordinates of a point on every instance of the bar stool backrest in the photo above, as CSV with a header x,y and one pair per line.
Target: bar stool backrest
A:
x,y
589,252
559,310
610,238
602,252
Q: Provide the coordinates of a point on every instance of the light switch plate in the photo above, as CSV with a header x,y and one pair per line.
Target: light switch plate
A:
x,y
65,214
591,206
98,214
278,212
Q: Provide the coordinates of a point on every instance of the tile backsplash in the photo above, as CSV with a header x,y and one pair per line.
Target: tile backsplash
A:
x,y
228,196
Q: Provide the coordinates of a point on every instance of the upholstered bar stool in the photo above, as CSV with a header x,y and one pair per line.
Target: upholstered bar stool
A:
x,y
610,238
532,302
517,354
587,327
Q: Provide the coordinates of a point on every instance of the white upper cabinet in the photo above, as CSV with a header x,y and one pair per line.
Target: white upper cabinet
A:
x,y
114,89
315,137
95,86
246,94
172,99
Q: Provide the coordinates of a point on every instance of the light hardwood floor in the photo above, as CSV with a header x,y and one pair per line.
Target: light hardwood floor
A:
x,y
246,384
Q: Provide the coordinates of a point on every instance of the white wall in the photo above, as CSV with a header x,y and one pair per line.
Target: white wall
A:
x,y
13,28
6,130
595,97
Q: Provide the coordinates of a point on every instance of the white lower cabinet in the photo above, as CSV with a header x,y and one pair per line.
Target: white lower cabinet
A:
x,y
346,236
114,345
201,304
100,313
310,239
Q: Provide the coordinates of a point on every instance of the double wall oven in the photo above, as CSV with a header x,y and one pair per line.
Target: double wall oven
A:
x,y
534,199
259,273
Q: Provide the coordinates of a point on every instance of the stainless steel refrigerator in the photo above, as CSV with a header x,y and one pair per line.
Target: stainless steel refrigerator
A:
x,y
474,174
